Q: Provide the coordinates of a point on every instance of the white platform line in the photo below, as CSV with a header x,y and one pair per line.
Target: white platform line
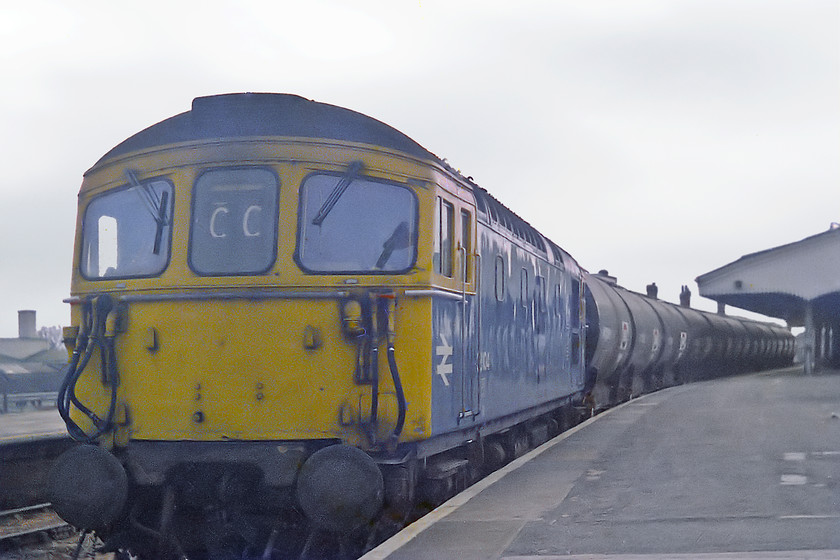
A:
x,y
766,555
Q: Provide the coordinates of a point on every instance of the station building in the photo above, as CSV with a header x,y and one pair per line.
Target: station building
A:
x,y
31,367
798,282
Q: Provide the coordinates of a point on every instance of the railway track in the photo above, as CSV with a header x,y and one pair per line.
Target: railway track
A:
x,y
38,533
31,520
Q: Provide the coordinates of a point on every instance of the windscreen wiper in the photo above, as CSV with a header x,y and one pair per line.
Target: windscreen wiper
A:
x,y
156,206
161,221
399,240
351,173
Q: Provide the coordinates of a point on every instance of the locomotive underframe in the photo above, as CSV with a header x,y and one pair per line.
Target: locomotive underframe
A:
x,y
242,491
150,462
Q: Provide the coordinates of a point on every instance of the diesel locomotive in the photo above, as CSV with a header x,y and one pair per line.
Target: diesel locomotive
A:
x,y
291,324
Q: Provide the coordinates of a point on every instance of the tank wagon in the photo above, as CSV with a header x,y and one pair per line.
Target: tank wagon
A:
x,y
291,323
637,343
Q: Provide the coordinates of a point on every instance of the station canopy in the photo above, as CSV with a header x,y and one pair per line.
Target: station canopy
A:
x,y
783,282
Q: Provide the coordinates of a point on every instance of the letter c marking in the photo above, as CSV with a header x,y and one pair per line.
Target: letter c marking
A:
x,y
245,229
213,216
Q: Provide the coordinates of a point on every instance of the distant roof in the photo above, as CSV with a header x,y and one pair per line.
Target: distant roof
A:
x,y
12,368
240,115
780,281
20,349
793,245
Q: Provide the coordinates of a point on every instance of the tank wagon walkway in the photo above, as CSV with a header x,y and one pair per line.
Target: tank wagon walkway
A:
x,y
739,468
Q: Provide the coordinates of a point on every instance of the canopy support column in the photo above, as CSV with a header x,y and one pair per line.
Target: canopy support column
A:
x,y
809,340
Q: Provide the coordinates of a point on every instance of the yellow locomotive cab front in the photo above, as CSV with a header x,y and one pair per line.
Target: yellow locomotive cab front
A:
x,y
233,290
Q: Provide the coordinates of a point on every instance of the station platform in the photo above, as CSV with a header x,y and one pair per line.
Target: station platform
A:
x,y
739,468
16,427
29,443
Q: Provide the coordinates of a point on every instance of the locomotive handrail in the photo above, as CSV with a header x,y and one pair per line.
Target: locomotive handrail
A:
x,y
250,294
205,296
434,292
462,252
263,294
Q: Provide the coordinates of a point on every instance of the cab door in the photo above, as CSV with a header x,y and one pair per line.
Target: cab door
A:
x,y
468,320
455,386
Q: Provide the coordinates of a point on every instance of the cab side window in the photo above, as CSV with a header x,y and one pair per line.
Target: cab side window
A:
x,y
466,244
445,237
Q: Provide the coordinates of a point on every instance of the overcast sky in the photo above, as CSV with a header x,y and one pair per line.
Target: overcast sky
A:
x,y
659,139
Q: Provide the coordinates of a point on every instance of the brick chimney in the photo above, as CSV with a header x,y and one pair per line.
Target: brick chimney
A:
x,y
685,297
26,324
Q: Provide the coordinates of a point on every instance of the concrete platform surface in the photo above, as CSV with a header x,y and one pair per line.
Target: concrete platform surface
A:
x,y
732,469
32,425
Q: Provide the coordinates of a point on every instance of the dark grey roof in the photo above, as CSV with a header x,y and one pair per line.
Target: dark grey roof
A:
x,y
750,256
501,214
239,115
